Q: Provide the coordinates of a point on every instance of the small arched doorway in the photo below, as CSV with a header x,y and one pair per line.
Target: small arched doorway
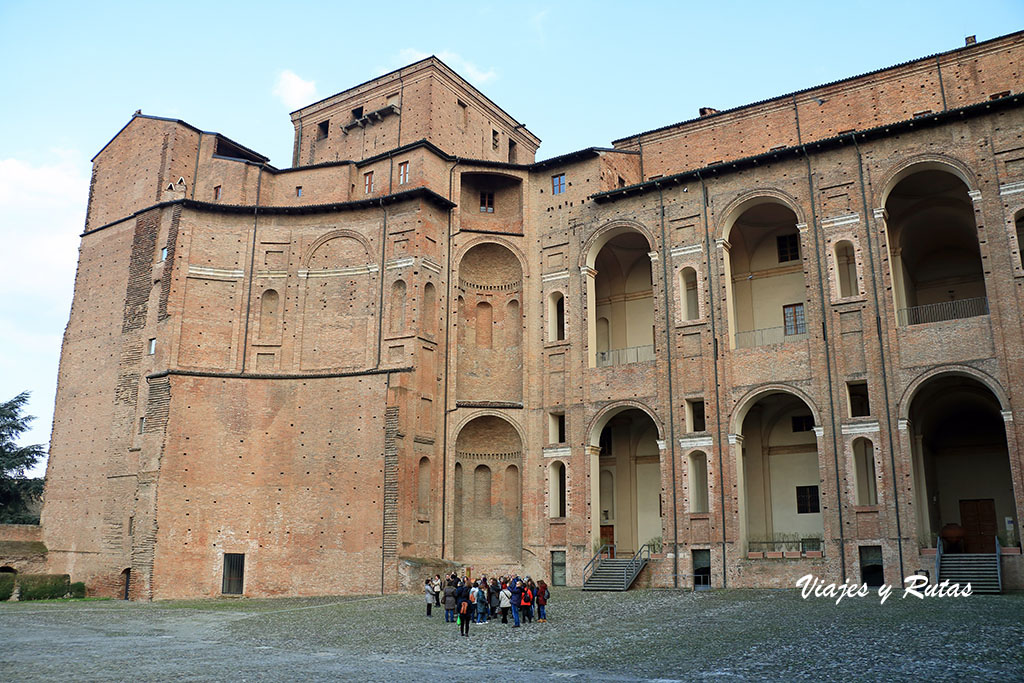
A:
x,y
626,493
962,479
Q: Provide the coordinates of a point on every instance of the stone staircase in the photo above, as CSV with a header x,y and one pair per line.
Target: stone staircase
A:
x,y
613,574
981,570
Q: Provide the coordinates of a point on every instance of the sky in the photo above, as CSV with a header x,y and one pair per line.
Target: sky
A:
x,y
577,74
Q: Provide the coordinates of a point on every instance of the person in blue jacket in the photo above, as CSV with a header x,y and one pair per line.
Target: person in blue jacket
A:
x,y
517,597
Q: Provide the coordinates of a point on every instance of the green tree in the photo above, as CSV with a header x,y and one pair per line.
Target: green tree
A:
x,y
17,492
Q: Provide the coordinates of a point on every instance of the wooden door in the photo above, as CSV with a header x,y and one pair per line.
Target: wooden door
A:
x,y
978,518
607,534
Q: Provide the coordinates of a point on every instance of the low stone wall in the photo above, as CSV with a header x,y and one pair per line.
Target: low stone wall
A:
x,y
22,549
21,532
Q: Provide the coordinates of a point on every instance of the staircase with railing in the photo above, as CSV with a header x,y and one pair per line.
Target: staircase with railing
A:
x,y
982,570
605,572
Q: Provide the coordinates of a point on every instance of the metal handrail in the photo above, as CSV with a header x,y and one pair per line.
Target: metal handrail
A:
x,y
630,354
748,339
635,566
938,557
999,564
944,310
595,561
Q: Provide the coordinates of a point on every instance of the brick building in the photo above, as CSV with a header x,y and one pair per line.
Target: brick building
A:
x,y
770,341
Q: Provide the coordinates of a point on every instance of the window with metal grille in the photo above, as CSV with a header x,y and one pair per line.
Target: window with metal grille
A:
x,y
807,500
234,570
558,183
803,423
789,247
486,202
793,319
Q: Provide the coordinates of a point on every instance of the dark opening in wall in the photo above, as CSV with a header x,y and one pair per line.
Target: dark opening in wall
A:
x,y
234,571
871,570
357,113
557,567
231,150
702,569
860,406
695,414
322,129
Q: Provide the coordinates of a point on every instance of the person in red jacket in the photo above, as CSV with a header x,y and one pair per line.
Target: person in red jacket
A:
x,y
542,600
526,601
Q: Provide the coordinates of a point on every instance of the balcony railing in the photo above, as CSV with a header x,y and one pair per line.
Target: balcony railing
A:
x,y
769,335
632,354
945,310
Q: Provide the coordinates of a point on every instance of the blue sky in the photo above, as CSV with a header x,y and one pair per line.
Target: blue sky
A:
x,y
577,74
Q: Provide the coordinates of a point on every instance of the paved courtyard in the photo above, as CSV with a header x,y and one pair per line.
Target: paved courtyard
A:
x,y
738,635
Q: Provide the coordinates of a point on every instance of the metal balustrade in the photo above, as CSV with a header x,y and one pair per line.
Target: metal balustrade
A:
x,y
632,354
944,310
769,335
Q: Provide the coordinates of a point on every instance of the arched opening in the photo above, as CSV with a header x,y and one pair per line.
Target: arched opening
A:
x,y
622,293
270,312
963,484
126,583
846,269
1019,225
8,570
933,241
489,361
556,317
398,306
603,335
488,519
698,478
423,487
688,294
429,309
628,491
765,277
864,468
556,489
779,479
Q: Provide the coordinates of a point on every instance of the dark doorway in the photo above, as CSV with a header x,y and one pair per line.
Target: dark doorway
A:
x,y
871,572
701,569
126,579
978,518
234,570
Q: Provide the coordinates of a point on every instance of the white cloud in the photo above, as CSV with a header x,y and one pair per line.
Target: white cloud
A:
x,y
42,214
293,90
463,66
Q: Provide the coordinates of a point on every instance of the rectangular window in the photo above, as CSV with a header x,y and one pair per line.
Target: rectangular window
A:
x,y
807,500
486,202
793,319
858,394
789,247
322,128
871,570
142,425
298,190
234,571
802,423
357,113
368,182
463,114
695,415
557,567
494,139
152,346
216,193
558,183
556,427
403,173
163,254
511,151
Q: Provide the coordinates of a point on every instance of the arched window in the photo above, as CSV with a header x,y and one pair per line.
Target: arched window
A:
x,y
864,464
398,306
698,472
484,322
688,293
482,491
513,323
602,335
556,489
846,269
607,496
511,497
423,485
556,317
269,313
429,309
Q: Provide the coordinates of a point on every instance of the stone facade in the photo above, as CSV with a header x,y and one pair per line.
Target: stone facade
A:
x,y
728,337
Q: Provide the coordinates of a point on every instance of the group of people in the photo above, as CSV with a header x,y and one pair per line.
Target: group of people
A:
x,y
479,601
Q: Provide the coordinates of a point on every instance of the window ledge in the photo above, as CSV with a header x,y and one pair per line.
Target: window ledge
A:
x,y
556,344
696,322
700,515
557,520
859,298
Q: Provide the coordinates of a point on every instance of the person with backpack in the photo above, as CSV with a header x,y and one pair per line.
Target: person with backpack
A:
x,y
526,601
505,602
464,613
493,594
543,595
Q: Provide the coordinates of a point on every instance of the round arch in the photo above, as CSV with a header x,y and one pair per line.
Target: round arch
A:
x,y
492,239
328,236
750,399
751,198
598,422
605,233
484,413
924,162
986,380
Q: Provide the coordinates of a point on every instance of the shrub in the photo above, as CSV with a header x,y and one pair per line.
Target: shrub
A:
x,y
43,586
78,589
6,586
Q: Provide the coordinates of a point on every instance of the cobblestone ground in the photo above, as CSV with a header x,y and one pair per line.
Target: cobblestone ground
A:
x,y
639,635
